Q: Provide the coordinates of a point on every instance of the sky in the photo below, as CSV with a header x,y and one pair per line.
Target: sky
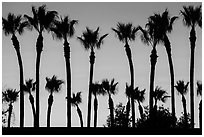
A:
x,y
111,61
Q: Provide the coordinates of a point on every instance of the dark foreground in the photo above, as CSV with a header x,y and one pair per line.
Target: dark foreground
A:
x,y
97,131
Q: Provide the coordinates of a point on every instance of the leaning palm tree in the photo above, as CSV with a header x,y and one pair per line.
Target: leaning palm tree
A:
x,y
63,29
11,26
191,18
53,85
111,89
75,101
199,93
90,40
10,96
28,87
42,20
126,33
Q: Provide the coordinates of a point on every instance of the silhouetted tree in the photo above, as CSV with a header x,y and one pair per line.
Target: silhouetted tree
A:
x,y
111,88
199,93
90,40
63,29
128,92
12,25
96,90
41,21
191,18
28,87
53,85
10,96
182,89
75,101
126,33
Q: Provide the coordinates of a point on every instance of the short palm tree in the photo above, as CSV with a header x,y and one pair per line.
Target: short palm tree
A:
x,y
192,17
63,29
11,26
75,101
199,93
91,40
42,20
53,85
127,33
28,87
96,90
182,89
111,88
10,96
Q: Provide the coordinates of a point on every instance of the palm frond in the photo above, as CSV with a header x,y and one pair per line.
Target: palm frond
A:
x,y
181,87
10,95
76,98
53,84
101,40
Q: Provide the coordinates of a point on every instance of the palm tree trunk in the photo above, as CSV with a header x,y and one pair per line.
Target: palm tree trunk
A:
x,y
9,115
153,60
192,41
80,115
20,63
129,56
68,70
50,101
39,47
92,60
185,111
200,114
127,111
95,111
140,110
168,50
111,107
31,98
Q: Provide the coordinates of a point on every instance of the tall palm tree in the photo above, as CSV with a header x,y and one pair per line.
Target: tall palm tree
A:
x,y
111,88
75,101
53,85
126,33
182,89
191,18
11,26
62,30
10,96
199,93
163,26
42,20
96,90
28,87
90,40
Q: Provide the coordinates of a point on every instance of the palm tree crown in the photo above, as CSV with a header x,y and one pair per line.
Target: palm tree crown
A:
x,y
160,94
97,89
29,86
139,94
181,87
53,84
76,99
109,87
10,95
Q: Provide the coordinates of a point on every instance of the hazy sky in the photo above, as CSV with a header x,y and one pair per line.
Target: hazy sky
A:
x,y
111,61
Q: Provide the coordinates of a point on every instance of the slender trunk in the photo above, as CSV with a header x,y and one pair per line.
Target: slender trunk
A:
x,y
50,102
80,115
127,111
200,114
129,56
153,60
95,111
9,115
168,50
111,107
185,111
92,60
192,41
31,98
140,110
39,47
68,70
20,63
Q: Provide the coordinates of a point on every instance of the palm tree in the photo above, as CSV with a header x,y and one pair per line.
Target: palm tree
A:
x,y
75,101
191,18
110,88
128,92
63,29
53,85
10,96
90,40
199,93
126,33
12,25
96,90
42,20
28,87
182,89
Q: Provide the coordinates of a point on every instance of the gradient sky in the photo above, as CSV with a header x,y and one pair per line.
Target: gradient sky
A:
x,y
111,61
